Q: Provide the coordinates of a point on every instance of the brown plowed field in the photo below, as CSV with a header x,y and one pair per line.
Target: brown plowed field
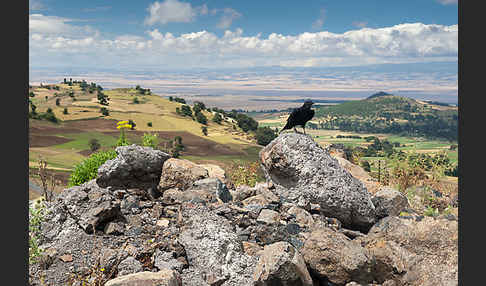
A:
x,y
194,145
45,140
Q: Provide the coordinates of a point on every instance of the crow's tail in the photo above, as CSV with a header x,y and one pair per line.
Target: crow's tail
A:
x,y
287,126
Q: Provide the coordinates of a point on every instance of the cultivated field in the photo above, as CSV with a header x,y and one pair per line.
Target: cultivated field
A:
x,y
65,144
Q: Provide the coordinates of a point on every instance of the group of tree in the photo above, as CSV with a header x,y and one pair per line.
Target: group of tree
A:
x,y
389,114
102,98
143,91
177,99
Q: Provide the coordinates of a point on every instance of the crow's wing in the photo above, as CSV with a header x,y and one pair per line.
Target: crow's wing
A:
x,y
291,120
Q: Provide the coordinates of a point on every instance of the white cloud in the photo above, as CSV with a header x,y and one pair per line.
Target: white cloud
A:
x,y
50,37
448,2
170,11
317,25
35,5
229,15
53,25
360,24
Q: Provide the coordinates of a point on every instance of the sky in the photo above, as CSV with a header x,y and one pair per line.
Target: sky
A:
x,y
172,35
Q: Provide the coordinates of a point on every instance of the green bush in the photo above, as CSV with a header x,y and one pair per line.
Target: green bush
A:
x,y
217,118
150,140
265,135
88,168
36,215
201,118
245,173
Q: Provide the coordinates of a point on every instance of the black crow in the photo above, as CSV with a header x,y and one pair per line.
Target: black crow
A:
x,y
300,116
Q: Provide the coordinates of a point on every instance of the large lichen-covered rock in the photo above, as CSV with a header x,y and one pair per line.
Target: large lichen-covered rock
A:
x,y
213,249
333,256
181,174
134,167
304,173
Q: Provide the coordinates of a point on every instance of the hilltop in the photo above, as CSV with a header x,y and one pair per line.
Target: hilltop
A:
x,y
65,117
386,113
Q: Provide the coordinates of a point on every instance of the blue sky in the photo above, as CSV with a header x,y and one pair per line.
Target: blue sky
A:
x,y
220,34
266,17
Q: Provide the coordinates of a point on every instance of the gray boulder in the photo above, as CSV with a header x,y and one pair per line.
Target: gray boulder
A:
x,y
333,256
389,202
134,167
281,264
181,174
214,251
304,173
129,265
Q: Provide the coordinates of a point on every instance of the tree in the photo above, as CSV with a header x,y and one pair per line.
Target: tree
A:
x,y
104,111
246,123
46,97
186,110
217,118
94,144
366,165
102,98
171,98
31,94
135,100
265,135
149,124
58,101
204,130
65,111
201,118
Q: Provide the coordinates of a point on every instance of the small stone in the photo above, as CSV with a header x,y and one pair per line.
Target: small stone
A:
x,y
114,228
163,222
66,258
268,216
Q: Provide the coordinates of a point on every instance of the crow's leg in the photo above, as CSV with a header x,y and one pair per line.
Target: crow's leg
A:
x,y
296,130
303,127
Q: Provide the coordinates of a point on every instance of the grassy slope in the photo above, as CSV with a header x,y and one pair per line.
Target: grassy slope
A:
x,y
152,108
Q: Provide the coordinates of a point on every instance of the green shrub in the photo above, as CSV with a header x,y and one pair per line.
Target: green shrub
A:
x,y
36,215
245,173
149,124
88,168
150,140
265,135
217,118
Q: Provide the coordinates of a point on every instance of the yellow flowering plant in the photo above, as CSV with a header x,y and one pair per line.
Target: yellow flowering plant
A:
x,y
122,125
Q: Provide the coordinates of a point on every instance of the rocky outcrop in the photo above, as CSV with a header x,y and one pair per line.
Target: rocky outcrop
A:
x,y
200,232
304,173
134,167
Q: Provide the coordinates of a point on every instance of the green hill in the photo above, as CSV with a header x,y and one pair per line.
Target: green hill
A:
x,y
385,113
